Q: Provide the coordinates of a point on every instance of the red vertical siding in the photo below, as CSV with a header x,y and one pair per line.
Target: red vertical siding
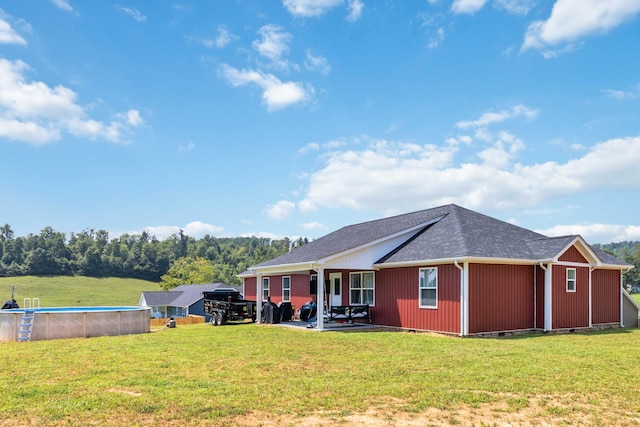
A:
x,y
572,255
605,296
397,300
250,288
501,297
299,288
570,309
539,297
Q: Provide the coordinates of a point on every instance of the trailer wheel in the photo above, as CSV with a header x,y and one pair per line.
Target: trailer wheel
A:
x,y
212,319
218,319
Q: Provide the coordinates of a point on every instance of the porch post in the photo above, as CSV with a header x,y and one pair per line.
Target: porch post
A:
x,y
320,299
548,317
259,298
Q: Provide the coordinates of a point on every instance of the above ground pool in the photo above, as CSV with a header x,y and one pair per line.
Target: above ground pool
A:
x,y
73,322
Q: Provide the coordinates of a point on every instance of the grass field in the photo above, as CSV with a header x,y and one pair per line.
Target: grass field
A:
x,y
64,291
269,375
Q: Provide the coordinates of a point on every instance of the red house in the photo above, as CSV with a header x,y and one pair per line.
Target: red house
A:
x,y
452,270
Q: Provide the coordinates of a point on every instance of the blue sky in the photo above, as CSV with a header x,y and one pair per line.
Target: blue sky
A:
x,y
297,117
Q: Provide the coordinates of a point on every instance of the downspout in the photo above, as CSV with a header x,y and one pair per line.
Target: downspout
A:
x,y
464,300
591,297
548,318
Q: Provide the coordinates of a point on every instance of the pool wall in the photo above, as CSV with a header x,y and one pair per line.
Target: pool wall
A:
x,y
77,323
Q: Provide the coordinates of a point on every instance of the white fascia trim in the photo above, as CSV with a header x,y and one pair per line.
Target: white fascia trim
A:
x,y
377,241
477,260
595,259
284,268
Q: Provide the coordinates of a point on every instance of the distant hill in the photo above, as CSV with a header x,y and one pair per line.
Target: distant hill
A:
x,y
64,291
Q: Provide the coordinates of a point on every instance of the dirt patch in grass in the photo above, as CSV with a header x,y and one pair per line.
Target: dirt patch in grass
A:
x,y
534,411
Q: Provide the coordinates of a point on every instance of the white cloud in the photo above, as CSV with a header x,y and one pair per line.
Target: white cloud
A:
x,y
596,233
312,146
571,20
224,37
520,7
273,45
276,94
62,4
35,113
316,63
489,118
134,13
186,147
355,10
411,176
436,39
467,6
621,94
134,119
8,35
312,226
195,229
280,210
311,8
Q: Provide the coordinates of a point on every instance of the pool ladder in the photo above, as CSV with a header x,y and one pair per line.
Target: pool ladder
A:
x,y
26,323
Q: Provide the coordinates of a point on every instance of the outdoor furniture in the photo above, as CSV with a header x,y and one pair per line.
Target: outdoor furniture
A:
x,y
350,313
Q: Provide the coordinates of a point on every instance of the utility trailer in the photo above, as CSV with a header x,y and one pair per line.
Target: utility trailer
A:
x,y
227,305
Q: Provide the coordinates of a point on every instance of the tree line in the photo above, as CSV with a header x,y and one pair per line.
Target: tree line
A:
x,y
140,256
629,252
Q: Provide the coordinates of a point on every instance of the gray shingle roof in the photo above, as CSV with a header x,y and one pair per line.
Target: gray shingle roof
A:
x,y
465,233
449,232
352,236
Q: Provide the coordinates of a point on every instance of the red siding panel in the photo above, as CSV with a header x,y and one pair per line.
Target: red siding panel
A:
x,y
501,297
250,288
397,300
605,296
539,297
299,289
572,255
570,309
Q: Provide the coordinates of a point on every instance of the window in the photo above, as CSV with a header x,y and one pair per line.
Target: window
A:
x,y
428,288
571,279
362,288
286,289
265,288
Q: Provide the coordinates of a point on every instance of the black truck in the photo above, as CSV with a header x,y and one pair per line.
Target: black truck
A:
x,y
227,305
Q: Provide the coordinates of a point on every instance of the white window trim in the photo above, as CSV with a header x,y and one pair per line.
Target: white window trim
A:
x,y
289,289
420,288
266,288
574,280
373,304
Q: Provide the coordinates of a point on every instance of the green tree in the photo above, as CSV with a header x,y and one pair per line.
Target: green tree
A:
x,y
187,271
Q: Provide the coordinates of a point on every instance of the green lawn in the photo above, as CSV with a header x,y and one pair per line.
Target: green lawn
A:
x,y
636,297
63,291
268,375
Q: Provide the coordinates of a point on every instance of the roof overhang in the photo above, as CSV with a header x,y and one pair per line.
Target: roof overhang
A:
x,y
478,260
326,261
585,250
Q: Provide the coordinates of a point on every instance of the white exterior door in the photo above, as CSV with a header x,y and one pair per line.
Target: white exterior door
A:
x,y
335,287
